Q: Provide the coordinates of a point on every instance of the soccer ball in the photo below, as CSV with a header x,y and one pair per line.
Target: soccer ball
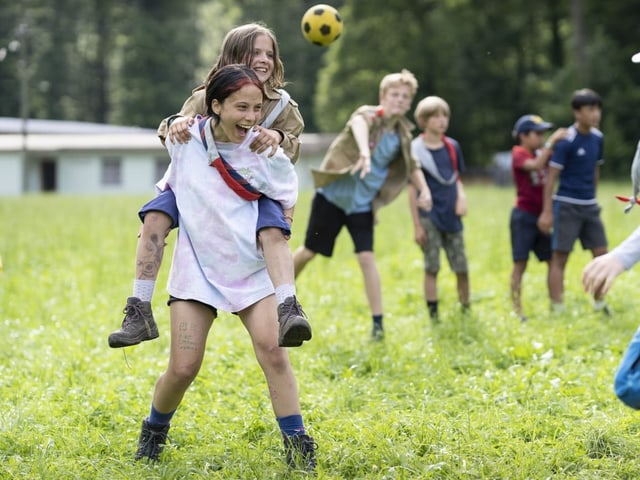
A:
x,y
321,25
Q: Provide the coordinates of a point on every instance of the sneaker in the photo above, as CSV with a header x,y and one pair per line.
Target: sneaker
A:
x,y
294,327
377,332
152,440
138,325
301,452
602,306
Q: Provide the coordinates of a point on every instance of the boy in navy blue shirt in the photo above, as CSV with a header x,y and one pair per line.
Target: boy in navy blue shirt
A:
x,y
441,160
573,211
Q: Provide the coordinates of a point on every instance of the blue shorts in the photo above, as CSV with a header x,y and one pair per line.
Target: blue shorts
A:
x,y
325,222
270,212
164,202
270,215
627,379
526,237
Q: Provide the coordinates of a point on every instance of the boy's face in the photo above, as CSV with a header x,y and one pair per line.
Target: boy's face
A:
x,y
532,140
396,101
588,116
438,123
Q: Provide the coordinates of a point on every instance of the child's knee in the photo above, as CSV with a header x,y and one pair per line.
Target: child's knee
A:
x,y
273,359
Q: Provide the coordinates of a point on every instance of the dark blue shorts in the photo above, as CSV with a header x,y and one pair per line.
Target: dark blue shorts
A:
x,y
164,202
270,215
270,212
526,237
325,222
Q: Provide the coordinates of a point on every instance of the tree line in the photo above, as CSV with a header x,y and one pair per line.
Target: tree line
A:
x,y
133,62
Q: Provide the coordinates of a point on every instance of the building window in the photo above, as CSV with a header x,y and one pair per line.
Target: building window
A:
x,y
111,171
161,166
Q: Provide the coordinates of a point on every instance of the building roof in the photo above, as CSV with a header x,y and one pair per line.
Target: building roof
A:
x,y
56,136
15,125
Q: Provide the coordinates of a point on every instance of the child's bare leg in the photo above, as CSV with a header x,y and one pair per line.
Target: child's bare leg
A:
x,y
138,324
463,289
517,272
283,390
430,285
294,327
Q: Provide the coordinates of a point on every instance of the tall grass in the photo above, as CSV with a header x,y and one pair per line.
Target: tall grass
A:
x,y
474,397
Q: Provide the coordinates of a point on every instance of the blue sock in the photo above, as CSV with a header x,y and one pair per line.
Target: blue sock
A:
x,y
157,418
377,320
291,425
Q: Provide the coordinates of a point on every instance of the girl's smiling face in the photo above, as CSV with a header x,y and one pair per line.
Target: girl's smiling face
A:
x,y
262,61
238,114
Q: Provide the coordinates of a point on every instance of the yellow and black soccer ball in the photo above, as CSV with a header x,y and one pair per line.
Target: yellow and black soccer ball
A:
x,y
321,25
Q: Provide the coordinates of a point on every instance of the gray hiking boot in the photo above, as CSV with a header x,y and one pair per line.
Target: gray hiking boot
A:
x,y
152,440
138,325
294,327
301,452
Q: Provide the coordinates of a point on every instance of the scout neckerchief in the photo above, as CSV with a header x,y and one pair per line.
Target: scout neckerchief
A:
x,y
231,177
426,160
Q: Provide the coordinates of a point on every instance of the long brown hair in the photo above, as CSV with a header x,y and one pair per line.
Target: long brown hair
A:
x,y
237,48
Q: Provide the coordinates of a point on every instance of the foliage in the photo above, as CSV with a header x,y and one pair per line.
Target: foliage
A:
x,y
136,62
481,396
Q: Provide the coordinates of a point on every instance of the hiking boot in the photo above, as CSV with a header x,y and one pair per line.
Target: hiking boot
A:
x,y
301,452
294,327
138,325
152,440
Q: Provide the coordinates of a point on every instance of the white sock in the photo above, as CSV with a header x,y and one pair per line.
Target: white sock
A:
x,y
285,291
143,289
599,305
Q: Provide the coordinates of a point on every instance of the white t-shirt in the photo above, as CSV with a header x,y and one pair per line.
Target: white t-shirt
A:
x,y
216,259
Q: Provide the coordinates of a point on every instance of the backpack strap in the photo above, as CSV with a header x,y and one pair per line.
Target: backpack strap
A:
x,y
451,148
282,103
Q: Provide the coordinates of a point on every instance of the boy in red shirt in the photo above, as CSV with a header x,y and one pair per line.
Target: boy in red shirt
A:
x,y
529,165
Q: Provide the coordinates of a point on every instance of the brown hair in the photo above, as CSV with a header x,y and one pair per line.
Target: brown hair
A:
x,y
428,107
237,48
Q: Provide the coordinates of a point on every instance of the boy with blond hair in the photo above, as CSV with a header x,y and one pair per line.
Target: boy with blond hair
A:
x,y
365,168
441,161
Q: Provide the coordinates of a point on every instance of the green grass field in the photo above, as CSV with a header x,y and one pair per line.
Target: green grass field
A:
x,y
483,397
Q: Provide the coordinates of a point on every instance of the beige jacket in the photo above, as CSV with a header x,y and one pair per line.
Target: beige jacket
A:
x,y
289,123
343,154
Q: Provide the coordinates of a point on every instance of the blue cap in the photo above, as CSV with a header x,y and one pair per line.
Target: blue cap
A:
x,y
527,123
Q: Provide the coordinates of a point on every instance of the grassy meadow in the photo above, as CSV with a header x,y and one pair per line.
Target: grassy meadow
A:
x,y
478,397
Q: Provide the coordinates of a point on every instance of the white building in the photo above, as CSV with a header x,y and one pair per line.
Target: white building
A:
x,y
90,158
77,157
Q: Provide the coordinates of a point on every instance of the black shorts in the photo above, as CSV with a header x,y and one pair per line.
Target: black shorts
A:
x,y
325,222
526,237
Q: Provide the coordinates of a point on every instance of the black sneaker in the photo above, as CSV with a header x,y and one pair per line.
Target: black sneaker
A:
x,y
138,325
294,327
301,452
377,332
152,440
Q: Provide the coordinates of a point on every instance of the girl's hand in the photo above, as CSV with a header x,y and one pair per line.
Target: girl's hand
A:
x,y
265,139
599,274
179,130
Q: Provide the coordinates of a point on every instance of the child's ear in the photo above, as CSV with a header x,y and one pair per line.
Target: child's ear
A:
x,y
215,106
